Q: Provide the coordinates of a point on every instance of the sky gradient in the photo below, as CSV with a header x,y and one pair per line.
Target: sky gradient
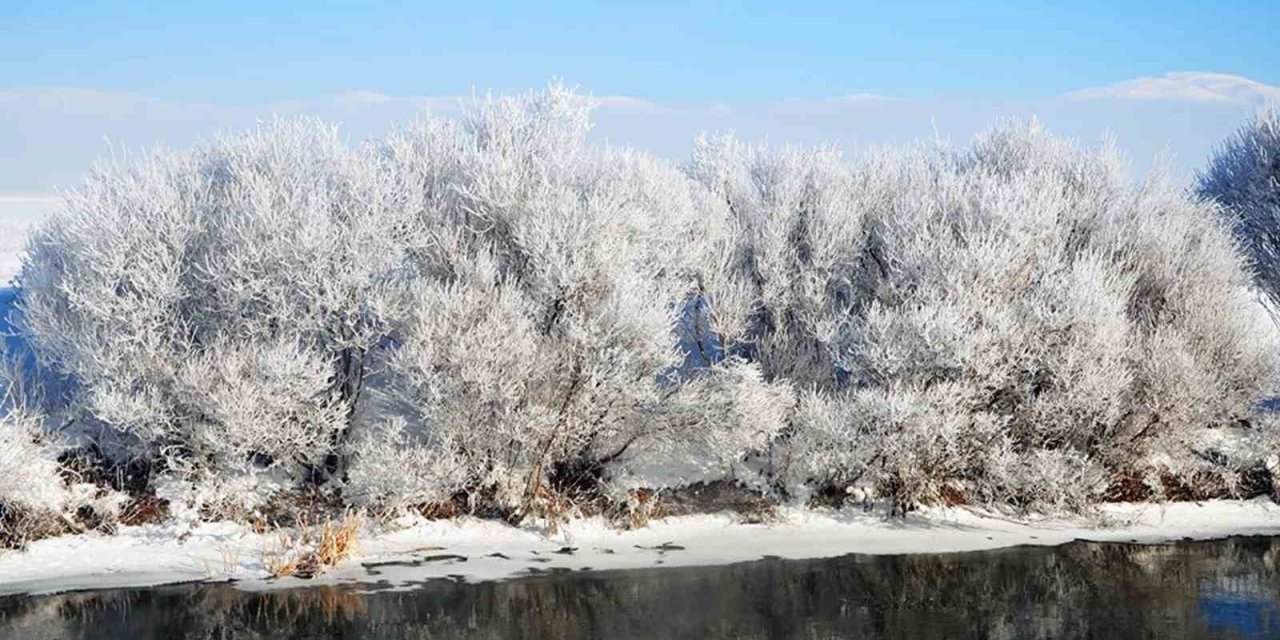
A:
x,y
248,52
80,80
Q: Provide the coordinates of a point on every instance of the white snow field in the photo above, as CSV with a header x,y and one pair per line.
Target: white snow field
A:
x,y
17,214
411,550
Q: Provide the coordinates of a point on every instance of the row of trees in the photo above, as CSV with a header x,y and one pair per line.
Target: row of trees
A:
x,y
491,309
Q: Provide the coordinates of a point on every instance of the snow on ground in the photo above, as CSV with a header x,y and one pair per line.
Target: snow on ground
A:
x,y
17,215
412,551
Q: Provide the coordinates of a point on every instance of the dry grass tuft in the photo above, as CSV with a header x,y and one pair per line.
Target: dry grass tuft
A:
x,y
312,550
281,559
442,510
640,506
20,526
338,539
144,510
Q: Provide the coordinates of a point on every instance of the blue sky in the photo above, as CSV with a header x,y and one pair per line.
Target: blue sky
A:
x,y
252,51
1161,77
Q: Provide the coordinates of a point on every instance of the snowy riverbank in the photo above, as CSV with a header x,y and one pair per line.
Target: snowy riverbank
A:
x,y
410,551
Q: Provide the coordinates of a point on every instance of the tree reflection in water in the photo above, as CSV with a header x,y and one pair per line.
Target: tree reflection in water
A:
x,y
1221,589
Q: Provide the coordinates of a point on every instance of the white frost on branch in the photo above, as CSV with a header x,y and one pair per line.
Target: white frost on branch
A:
x,y
491,308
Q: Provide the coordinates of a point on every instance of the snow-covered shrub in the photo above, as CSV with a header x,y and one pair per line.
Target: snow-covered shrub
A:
x,y
540,343
392,468
38,498
709,428
789,264
987,320
550,279
216,305
30,475
1244,177
246,492
467,361
516,288
259,402
29,472
491,307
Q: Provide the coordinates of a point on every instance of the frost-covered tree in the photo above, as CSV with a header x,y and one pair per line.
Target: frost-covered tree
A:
x,y
789,261
514,288
705,427
1244,177
540,343
1042,327
492,307
214,306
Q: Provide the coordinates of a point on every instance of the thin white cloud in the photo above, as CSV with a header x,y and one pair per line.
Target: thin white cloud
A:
x,y
1186,86
50,136
861,98
363,98
629,102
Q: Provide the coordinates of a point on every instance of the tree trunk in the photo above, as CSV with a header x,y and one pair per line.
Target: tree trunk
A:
x,y
350,382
